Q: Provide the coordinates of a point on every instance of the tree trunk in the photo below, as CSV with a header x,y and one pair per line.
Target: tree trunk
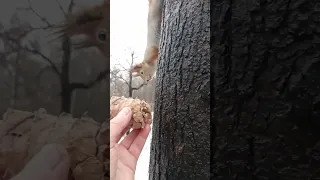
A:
x,y
181,128
130,92
16,81
66,95
130,85
267,105
66,101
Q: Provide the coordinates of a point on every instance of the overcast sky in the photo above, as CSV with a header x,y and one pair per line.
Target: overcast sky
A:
x,y
128,29
128,22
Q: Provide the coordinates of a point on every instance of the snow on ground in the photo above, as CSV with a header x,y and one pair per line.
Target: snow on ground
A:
x,y
142,169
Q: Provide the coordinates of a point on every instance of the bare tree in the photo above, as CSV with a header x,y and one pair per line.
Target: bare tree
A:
x,y
67,87
19,33
15,81
117,86
129,79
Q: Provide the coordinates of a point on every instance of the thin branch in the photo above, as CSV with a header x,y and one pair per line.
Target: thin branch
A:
x,y
139,87
42,71
70,6
43,19
41,28
30,8
36,52
61,8
135,57
132,58
53,66
8,34
124,69
100,77
123,79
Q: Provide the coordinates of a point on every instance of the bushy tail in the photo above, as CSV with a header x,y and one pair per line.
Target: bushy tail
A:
x,y
154,25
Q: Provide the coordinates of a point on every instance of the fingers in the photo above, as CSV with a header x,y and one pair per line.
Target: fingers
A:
x,y
127,141
124,131
61,171
149,121
119,124
138,143
52,161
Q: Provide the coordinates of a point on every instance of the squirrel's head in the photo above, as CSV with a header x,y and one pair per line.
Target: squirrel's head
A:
x,y
94,23
147,67
144,70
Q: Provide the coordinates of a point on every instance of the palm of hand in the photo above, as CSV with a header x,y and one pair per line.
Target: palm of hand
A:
x,y
123,161
124,155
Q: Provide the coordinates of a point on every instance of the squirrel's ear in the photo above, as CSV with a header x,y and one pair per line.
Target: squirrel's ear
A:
x,y
82,22
136,67
132,70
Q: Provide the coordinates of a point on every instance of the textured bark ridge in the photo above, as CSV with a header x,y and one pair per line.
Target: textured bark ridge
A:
x,y
23,134
180,147
265,65
141,111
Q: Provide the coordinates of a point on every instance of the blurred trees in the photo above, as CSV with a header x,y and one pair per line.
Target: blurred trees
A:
x,y
35,73
122,83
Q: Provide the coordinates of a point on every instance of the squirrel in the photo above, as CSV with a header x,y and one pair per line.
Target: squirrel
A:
x,y
147,68
93,22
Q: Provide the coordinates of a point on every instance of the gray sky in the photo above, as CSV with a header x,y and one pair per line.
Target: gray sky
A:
x,y
128,29
128,23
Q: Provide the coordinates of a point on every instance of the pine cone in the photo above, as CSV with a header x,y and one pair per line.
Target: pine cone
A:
x,y
141,111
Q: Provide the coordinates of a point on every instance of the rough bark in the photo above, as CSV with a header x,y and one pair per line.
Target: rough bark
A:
x,y
181,125
266,89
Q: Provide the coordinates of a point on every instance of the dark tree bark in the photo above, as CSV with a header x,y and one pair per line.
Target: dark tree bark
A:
x,y
266,81
130,87
66,94
181,128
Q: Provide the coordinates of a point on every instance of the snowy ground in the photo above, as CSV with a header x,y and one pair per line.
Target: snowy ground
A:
x,y
142,170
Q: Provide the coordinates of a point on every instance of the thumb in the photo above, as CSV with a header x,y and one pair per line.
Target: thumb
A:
x,y
118,124
51,163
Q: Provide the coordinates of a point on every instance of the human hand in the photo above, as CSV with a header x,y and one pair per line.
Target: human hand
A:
x,y
51,163
124,156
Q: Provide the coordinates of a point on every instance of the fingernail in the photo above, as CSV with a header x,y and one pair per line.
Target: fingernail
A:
x,y
126,110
